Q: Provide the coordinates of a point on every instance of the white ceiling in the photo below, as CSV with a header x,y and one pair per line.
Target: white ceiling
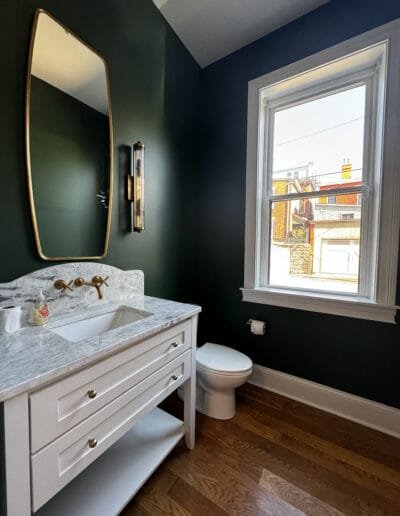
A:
x,y
211,29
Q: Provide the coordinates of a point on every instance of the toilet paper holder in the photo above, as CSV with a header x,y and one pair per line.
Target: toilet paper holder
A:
x,y
257,327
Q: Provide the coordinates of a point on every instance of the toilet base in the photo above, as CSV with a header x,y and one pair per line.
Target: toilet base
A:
x,y
215,405
218,405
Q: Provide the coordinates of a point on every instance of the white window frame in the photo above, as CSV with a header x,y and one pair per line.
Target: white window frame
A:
x,y
370,77
373,58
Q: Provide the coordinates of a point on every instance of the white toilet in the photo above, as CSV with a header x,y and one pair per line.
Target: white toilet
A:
x,y
219,371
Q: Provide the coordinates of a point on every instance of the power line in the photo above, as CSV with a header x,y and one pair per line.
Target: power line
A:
x,y
331,173
320,132
317,175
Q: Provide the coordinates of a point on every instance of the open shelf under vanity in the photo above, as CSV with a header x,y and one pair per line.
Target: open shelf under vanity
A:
x,y
108,484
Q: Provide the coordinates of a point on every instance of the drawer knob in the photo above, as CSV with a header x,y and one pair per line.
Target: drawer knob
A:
x,y
92,443
174,377
174,344
92,394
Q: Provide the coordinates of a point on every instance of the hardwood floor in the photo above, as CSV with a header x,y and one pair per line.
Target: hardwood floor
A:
x,y
275,457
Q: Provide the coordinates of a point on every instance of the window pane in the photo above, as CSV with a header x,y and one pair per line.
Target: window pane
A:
x,y
321,140
315,243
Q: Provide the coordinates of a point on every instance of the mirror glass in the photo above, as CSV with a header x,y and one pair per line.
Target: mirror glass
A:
x,y
69,144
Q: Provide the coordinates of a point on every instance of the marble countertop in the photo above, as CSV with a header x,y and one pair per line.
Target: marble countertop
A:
x,y
34,356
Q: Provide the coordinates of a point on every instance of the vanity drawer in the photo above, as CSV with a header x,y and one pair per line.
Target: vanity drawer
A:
x,y
58,463
68,402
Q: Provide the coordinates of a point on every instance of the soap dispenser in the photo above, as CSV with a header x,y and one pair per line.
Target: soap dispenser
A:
x,y
40,314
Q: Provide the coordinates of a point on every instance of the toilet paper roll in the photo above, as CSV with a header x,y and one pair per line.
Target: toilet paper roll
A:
x,y
10,318
257,327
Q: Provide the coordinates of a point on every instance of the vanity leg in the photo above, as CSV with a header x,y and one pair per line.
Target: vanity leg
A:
x,y
16,441
190,394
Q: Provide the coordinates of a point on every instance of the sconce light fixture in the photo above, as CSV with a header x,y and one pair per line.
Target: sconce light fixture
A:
x,y
135,187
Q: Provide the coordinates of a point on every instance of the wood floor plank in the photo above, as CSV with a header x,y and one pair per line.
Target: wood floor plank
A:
x,y
193,501
343,432
257,414
135,509
295,496
246,465
268,398
154,499
320,451
277,456
261,454
226,488
356,474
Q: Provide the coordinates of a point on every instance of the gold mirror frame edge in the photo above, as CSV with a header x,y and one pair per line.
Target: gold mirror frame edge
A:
x,y
28,153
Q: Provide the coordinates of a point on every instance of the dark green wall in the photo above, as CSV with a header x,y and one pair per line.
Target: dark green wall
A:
x,y
356,356
69,147
192,248
154,93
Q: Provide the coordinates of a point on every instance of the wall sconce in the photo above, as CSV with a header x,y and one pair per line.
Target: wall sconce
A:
x,y
135,187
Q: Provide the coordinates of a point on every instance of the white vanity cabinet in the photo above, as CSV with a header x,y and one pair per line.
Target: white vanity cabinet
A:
x,y
83,444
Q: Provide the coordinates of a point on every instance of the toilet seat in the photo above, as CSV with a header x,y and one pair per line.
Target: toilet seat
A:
x,y
223,373
222,360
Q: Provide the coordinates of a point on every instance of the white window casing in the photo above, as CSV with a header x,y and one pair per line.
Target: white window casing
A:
x,y
371,59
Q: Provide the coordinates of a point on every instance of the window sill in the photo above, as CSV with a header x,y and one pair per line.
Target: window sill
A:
x,y
358,308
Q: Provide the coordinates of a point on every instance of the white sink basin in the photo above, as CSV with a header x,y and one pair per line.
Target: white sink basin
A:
x,y
95,325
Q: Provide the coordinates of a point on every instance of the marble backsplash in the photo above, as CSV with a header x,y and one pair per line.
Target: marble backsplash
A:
x,y
25,290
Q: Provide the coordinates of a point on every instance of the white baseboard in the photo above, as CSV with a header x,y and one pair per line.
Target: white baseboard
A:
x,y
366,412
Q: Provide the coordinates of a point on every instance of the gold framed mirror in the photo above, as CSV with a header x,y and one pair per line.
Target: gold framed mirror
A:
x,y
69,144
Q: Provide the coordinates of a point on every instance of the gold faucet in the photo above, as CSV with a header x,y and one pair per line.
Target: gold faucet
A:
x,y
62,285
97,282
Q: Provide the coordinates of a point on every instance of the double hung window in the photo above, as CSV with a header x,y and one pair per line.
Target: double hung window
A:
x,y
323,181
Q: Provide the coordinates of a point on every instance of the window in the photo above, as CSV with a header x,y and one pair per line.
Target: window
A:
x,y
322,216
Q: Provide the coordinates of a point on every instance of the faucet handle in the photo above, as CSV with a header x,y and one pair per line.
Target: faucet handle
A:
x,y
98,280
62,285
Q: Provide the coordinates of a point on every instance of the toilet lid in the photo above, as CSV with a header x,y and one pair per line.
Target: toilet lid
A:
x,y
222,359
